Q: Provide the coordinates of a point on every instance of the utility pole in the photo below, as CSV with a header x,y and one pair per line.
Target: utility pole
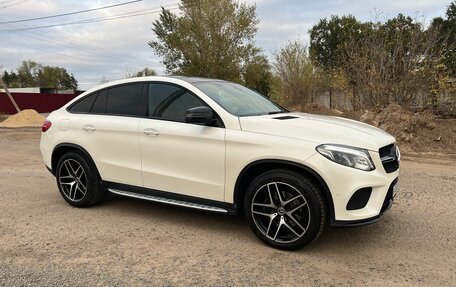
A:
x,y
8,93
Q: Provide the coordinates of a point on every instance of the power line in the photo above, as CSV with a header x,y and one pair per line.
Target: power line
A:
x,y
42,35
3,2
92,20
69,43
55,53
88,81
70,13
54,37
14,4
120,59
44,38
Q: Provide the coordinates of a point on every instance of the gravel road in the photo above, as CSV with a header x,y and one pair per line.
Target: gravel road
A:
x,y
127,242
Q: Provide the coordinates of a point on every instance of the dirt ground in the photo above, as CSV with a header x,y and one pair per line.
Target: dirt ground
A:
x,y
127,242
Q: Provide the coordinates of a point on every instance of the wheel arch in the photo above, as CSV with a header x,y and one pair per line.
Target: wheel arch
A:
x,y
258,167
63,148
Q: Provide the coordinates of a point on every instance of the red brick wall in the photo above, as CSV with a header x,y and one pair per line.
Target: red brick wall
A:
x,y
42,103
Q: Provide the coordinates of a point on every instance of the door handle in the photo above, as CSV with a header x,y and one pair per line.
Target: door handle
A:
x,y
88,128
151,132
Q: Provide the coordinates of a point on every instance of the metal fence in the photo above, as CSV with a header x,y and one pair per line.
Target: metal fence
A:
x,y
40,102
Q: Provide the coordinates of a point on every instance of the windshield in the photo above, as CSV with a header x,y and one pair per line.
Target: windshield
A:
x,y
238,100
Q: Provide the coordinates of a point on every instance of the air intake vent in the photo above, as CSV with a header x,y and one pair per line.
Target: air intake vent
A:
x,y
359,199
285,118
390,156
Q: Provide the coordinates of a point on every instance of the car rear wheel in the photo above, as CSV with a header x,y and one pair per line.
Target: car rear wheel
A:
x,y
285,209
77,180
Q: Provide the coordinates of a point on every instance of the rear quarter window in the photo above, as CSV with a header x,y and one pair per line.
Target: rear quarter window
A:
x,y
83,105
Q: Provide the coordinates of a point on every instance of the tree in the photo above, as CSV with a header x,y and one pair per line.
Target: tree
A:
x,y
296,72
208,38
451,12
381,62
56,77
5,87
395,62
32,74
28,73
257,75
146,72
401,28
11,79
446,29
328,37
142,73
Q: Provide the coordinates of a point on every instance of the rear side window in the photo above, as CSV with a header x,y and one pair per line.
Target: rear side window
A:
x,y
83,105
126,100
99,106
170,102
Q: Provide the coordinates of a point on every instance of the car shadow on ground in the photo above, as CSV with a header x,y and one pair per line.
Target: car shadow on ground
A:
x,y
347,238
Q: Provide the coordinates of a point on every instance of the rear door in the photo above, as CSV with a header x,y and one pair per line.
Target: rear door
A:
x,y
110,132
178,157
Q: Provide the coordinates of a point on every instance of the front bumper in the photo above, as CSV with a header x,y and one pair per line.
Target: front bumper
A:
x,y
344,182
49,169
387,203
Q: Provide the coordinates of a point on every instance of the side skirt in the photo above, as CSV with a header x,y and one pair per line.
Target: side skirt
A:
x,y
171,198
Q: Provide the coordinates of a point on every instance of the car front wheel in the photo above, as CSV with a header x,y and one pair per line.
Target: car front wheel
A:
x,y
285,209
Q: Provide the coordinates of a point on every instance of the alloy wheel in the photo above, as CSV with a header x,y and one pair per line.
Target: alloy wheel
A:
x,y
72,180
280,212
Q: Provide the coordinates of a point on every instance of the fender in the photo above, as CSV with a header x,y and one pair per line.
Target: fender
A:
x,y
299,166
70,146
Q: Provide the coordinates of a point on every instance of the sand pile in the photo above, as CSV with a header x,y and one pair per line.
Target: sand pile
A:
x,y
25,118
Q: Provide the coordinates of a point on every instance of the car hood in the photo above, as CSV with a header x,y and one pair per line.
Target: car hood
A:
x,y
318,129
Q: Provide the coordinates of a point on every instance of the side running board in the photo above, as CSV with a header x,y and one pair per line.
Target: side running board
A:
x,y
168,201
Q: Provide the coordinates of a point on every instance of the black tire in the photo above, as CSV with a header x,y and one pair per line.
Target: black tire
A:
x,y
299,222
75,196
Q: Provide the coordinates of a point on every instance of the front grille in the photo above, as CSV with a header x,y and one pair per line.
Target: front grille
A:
x,y
390,157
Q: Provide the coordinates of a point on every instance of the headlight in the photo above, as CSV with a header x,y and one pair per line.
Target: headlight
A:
x,y
348,156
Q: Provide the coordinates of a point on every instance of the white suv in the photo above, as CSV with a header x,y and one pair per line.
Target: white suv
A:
x,y
218,146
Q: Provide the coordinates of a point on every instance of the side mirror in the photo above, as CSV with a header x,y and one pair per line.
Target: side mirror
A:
x,y
200,115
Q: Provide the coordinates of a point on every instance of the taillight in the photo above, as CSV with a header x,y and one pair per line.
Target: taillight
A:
x,y
46,125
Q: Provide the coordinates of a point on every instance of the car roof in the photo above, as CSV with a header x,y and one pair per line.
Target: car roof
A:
x,y
170,79
195,79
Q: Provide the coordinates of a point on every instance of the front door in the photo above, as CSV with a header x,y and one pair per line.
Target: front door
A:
x,y
178,157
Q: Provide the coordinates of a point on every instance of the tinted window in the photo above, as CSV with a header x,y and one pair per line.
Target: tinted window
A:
x,y
170,102
84,104
99,106
159,93
126,100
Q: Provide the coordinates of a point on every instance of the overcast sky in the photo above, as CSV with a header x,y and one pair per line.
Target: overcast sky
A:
x,y
108,49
